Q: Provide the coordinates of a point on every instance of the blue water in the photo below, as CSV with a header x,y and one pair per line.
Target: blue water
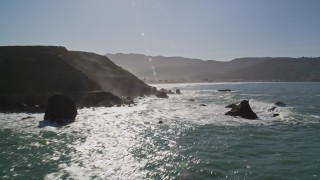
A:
x,y
194,142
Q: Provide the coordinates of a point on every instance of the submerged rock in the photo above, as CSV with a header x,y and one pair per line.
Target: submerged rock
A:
x,y
60,108
191,100
202,105
243,110
162,95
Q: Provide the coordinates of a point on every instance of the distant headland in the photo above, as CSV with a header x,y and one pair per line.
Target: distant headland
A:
x,y
160,69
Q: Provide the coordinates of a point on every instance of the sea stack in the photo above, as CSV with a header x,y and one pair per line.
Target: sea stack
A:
x,y
243,110
60,108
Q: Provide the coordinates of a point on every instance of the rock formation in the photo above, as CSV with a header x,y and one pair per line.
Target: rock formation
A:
x,y
162,95
60,108
243,110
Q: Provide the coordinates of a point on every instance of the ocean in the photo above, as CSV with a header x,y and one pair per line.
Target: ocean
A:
x,y
193,142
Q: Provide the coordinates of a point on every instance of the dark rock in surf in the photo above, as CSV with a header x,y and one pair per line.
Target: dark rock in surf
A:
x,y
162,95
160,122
224,90
178,91
280,104
243,110
202,105
275,115
28,117
60,108
191,100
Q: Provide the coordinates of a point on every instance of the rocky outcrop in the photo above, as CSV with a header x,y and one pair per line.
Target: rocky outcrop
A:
x,y
243,110
166,91
178,91
60,108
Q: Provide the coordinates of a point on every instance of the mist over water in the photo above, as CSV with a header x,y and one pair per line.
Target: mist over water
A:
x,y
194,142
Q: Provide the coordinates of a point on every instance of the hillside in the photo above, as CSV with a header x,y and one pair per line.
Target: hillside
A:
x,y
33,73
42,69
178,69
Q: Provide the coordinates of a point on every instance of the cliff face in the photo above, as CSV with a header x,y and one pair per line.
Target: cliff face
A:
x,y
30,74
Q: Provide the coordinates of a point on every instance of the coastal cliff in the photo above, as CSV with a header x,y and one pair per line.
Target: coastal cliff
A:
x,y
30,74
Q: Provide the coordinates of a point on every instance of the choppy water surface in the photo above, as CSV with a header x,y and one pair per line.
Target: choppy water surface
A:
x,y
194,142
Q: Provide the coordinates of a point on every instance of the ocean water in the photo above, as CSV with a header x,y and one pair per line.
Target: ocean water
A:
x,y
194,142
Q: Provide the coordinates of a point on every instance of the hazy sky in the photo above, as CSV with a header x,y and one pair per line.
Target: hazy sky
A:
x,y
207,29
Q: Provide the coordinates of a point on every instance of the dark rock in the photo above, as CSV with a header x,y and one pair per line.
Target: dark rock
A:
x,y
166,91
191,100
160,122
162,95
275,115
233,105
280,104
178,91
243,110
202,105
28,117
60,108
224,90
